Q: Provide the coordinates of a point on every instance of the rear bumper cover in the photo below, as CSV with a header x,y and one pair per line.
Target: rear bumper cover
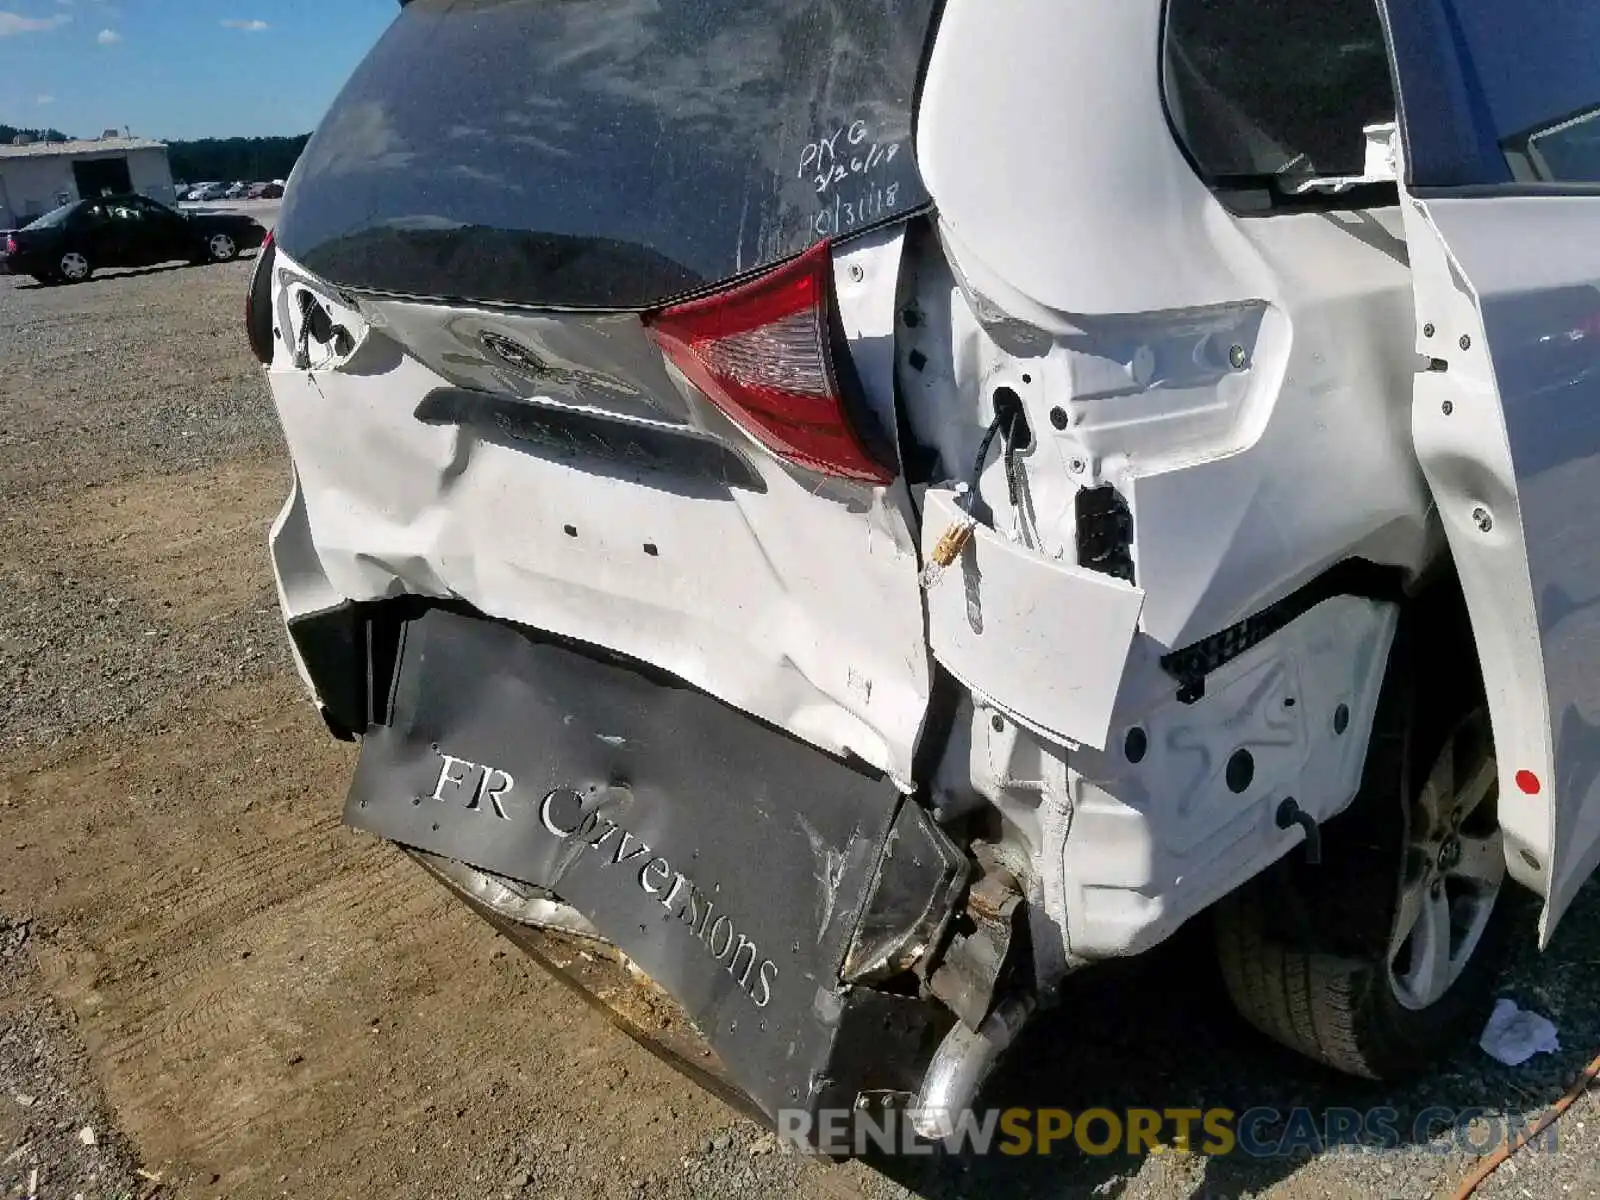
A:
x,y
745,871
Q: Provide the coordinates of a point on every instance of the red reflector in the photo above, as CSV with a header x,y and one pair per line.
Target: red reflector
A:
x,y
1528,782
763,354
11,245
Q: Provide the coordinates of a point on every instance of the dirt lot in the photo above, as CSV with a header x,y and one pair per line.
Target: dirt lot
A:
x,y
237,996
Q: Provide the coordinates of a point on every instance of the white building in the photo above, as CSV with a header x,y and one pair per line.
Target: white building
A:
x,y
38,176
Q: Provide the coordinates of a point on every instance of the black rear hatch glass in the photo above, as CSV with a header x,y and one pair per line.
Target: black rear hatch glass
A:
x,y
608,153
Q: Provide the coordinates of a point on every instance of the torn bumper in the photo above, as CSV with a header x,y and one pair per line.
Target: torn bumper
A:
x,y
746,872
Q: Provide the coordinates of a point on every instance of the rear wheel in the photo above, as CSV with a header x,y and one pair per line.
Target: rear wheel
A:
x,y
1384,958
221,247
74,266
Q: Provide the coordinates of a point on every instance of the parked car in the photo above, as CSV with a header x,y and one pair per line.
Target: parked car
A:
x,y
266,191
207,191
236,191
68,244
940,534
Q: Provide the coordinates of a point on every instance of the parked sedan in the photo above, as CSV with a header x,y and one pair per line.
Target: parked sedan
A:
x,y
72,242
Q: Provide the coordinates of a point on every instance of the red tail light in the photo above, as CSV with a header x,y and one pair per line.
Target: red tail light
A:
x,y
763,354
11,244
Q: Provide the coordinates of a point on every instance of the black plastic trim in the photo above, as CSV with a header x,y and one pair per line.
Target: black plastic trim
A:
x,y
333,645
551,431
682,828
1353,577
258,305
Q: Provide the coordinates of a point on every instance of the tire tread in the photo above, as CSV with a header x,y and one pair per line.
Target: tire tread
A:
x,y
1301,999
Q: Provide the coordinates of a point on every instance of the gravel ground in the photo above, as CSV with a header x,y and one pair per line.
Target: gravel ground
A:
x,y
57,1136
134,376
306,1039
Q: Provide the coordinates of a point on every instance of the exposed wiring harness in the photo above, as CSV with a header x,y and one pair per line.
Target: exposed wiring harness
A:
x,y
1009,425
970,499
1011,443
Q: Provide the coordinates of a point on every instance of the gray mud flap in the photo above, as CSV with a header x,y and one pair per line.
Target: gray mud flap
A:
x,y
738,867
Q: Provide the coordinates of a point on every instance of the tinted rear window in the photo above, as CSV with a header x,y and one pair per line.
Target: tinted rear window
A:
x,y
53,218
1538,66
608,153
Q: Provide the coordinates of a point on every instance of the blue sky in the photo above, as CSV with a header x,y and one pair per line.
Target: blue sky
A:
x,y
180,68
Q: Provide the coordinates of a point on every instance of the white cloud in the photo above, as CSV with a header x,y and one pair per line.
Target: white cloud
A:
x,y
11,23
247,26
44,99
108,37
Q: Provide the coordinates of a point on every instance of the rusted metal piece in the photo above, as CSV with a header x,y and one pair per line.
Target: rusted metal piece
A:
x,y
993,897
972,972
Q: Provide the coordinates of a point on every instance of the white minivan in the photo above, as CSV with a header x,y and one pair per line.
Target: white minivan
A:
x,y
865,510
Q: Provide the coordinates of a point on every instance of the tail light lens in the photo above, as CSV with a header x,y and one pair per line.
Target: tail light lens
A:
x,y
11,244
258,303
763,353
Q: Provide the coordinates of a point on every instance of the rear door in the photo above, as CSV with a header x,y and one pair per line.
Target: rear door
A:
x,y
100,235
1500,114
166,235
138,238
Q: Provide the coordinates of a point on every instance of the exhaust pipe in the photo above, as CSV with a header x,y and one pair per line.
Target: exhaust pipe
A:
x,y
961,1064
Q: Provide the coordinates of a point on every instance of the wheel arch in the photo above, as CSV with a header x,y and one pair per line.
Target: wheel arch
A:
x,y
1304,944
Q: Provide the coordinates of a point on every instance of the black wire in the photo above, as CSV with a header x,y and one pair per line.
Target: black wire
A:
x,y
1013,467
983,457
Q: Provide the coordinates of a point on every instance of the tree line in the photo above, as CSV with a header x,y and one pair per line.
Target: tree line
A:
x,y
223,159
10,133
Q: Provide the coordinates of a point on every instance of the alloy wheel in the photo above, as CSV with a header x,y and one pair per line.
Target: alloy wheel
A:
x,y
1454,866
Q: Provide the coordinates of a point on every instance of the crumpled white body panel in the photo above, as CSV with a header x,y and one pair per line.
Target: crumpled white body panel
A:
x,y
800,609
1044,640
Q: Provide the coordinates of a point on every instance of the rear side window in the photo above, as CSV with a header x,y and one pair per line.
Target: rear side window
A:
x,y
52,219
1537,67
608,153
1276,90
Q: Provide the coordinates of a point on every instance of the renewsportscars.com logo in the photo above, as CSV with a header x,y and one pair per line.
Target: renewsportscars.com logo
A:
x,y
1261,1132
